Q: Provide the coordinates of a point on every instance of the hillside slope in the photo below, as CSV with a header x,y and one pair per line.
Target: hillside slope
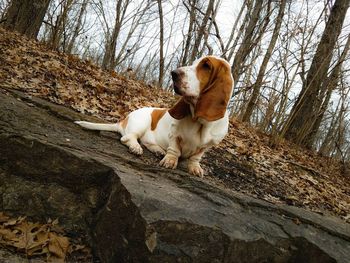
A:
x,y
244,161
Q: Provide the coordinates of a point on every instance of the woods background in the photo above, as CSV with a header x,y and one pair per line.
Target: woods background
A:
x,y
289,58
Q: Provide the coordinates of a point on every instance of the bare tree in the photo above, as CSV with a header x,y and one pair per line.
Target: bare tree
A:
x,y
334,139
201,31
77,27
249,39
111,41
327,88
257,85
228,50
161,44
58,27
4,5
191,26
198,30
26,16
304,112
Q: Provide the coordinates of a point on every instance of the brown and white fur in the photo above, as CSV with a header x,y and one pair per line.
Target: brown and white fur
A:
x,y
196,122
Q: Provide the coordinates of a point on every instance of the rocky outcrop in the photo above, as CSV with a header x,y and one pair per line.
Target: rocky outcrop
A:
x,y
131,210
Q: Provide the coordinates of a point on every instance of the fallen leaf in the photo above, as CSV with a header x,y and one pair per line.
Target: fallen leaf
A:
x,y
58,245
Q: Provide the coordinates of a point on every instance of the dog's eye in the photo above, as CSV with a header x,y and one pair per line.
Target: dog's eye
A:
x,y
206,65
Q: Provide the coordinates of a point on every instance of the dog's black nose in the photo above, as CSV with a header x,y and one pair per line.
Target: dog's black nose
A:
x,y
175,74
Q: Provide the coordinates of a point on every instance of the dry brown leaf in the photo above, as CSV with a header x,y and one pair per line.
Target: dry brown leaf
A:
x,y
11,222
3,218
58,245
34,238
7,235
26,236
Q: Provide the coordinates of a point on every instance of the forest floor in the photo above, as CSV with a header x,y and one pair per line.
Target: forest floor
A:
x,y
245,161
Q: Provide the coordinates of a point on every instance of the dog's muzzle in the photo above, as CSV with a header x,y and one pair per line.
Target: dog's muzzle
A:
x,y
176,76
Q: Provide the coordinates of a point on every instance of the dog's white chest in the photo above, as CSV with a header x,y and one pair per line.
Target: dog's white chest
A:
x,y
190,135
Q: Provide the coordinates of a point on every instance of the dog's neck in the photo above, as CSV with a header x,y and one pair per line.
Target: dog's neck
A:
x,y
192,101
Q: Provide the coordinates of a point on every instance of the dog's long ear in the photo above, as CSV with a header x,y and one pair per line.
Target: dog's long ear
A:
x,y
180,110
215,96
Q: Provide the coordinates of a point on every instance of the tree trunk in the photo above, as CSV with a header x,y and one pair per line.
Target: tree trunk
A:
x,y
191,26
327,88
256,87
233,31
77,27
59,27
326,144
201,31
240,32
26,16
161,44
246,46
111,43
304,112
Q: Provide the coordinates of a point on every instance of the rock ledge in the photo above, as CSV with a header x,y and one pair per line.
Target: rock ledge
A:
x,y
131,211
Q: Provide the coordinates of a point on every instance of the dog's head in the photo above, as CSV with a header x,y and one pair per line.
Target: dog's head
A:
x,y
206,85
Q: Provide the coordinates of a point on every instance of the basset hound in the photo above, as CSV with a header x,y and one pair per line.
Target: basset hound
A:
x,y
196,122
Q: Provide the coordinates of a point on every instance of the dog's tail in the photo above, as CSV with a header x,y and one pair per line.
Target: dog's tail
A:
x,y
115,127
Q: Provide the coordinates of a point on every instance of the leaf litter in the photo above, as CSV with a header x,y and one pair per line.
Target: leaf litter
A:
x,y
37,240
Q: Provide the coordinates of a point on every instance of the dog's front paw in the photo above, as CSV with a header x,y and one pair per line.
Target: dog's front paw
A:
x,y
195,169
136,149
160,153
169,162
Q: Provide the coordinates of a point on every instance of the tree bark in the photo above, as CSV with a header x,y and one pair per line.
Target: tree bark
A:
x,y
305,110
26,16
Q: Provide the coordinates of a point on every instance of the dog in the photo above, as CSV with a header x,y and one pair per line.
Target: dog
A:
x,y
196,122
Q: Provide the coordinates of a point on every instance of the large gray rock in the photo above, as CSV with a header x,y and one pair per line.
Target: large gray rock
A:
x,y
131,210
